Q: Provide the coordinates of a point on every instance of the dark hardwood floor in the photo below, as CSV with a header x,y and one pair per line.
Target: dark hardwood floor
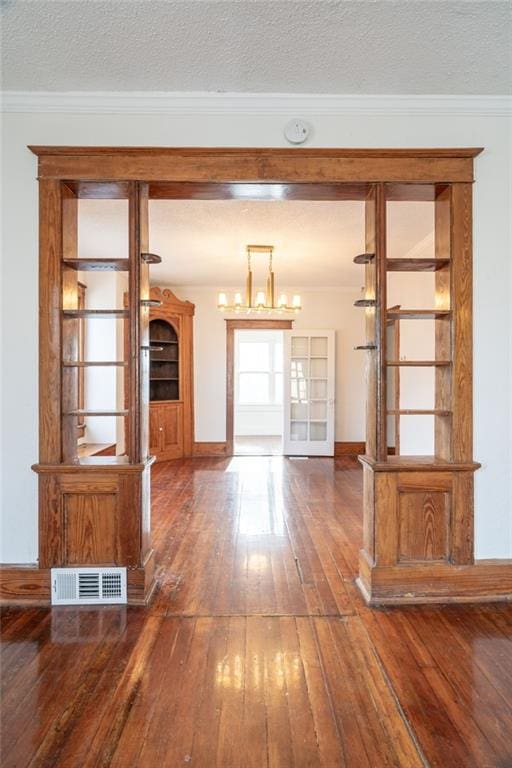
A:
x,y
257,649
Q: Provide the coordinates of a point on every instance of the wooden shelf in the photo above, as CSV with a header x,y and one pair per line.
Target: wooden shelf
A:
x,y
98,265
81,412
102,314
163,378
364,258
93,461
365,303
419,412
418,314
163,360
95,364
161,341
418,363
416,265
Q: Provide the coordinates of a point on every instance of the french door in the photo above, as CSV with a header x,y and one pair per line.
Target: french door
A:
x,y
309,393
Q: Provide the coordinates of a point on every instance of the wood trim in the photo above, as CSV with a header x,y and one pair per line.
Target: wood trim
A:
x,y
24,585
349,448
392,152
28,585
219,164
50,302
485,580
210,449
231,327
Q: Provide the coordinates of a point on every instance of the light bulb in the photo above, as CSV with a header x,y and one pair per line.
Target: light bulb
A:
x,y
260,299
296,301
283,300
221,301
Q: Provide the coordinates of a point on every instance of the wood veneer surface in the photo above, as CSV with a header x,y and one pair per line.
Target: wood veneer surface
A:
x,y
257,649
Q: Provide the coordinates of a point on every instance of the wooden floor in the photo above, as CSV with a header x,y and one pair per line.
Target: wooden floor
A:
x,y
257,649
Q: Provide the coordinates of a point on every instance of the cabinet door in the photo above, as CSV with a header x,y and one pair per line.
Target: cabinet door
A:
x,y
155,431
171,423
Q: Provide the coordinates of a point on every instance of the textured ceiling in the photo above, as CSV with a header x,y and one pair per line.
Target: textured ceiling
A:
x,y
296,46
203,242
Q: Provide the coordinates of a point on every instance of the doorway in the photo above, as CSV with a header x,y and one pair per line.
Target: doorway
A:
x,y
258,393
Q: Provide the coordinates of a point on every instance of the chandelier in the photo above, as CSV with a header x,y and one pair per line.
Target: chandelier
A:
x,y
265,300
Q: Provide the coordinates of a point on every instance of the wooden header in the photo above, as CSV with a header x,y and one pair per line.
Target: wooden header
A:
x,y
226,164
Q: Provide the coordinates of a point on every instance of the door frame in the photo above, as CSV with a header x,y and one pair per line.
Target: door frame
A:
x,y
233,325
443,175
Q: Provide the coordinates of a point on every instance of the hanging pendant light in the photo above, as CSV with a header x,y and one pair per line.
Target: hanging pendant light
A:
x,y
265,300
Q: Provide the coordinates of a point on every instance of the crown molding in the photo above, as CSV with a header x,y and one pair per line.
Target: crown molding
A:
x,y
282,104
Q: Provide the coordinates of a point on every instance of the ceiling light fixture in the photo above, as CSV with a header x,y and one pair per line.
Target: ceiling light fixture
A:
x,y
265,300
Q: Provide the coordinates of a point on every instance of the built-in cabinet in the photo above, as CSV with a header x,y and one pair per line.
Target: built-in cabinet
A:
x,y
171,411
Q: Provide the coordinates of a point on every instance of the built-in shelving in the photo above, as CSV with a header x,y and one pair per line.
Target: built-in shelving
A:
x,y
84,412
365,303
418,363
418,314
415,265
98,265
94,364
101,314
419,412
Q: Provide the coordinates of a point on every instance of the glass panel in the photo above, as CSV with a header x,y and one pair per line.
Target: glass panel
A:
x,y
319,346
299,368
319,389
299,430
300,346
299,411
318,410
299,389
254,388
253,356
319,368
318,431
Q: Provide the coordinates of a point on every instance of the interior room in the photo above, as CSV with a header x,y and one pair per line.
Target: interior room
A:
x,y
255,395
203,247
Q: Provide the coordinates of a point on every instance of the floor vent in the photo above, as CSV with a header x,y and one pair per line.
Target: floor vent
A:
x,y
88,586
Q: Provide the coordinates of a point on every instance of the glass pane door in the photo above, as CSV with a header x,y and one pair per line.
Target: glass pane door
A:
x,y
309,393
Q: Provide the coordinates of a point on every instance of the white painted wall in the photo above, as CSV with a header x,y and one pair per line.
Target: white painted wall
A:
x,y
390,122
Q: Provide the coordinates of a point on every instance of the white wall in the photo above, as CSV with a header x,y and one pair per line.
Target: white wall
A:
x,y
391,122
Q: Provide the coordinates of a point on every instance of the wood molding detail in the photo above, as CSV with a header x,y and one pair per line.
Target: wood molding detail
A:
x,y
485,580
24,585
210,449
348,448
231,327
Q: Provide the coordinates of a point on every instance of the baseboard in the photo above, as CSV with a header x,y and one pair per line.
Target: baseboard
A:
x,y
209,449
349,449
24,585
27,585
141,582
484,581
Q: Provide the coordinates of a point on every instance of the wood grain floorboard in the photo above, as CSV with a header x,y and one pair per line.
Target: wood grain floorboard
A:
x,y
257,650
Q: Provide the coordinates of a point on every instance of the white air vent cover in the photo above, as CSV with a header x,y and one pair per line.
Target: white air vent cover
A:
x,y
88,586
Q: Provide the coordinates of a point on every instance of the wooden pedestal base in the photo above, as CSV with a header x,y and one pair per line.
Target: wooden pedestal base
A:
x,y
418,534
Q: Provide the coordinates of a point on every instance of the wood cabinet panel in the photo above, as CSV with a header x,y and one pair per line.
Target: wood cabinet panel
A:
x,y
92,535
423,522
